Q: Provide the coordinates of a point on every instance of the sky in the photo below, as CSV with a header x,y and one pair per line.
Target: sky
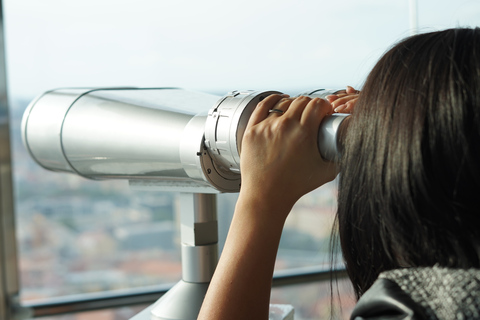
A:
x,y
210,46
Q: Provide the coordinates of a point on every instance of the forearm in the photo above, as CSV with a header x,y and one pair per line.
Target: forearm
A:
x,y
240,288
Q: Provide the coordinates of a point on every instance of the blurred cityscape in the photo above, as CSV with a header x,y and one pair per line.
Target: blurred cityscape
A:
x,y
80,236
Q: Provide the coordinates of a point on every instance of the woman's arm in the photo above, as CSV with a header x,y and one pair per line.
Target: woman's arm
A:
x,y
280,162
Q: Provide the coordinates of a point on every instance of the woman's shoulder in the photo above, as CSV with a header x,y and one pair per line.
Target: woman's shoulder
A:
x,y
422,293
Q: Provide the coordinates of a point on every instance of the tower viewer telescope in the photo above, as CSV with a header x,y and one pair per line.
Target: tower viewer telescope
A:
x,y
171,138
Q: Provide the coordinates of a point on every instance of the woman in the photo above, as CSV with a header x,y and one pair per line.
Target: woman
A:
x,y
408,209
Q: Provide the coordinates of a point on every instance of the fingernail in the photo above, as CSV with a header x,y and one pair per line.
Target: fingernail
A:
x,y
340,108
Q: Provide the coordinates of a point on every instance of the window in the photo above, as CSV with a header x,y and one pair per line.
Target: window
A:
x,y
76,236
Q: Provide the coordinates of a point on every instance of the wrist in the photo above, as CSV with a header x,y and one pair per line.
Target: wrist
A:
x,y
259,208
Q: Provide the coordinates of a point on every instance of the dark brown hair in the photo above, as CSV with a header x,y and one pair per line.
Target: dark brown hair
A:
x,y
409,188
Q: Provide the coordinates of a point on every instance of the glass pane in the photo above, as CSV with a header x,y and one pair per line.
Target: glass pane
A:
x,y
76,235
306,236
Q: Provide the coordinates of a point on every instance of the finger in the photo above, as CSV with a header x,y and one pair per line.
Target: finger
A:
x,y
338,94
314,113
331,98
280,107
351,90
344,100
340,108
346,107
261,111
296,108
350,105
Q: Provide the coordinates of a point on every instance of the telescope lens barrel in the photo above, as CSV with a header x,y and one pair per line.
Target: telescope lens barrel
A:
x,y
112,133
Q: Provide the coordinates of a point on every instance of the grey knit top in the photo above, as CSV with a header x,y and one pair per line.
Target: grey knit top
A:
x,y
443,293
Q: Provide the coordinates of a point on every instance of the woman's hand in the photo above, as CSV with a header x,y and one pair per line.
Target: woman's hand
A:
x,y
280,161
345,101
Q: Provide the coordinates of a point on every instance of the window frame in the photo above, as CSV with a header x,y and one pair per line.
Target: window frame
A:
x,y
9,277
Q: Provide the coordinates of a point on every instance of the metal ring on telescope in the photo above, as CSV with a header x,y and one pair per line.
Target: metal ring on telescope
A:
x,y
276,111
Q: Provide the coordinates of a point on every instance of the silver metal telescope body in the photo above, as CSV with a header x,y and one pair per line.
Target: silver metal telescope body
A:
x,y
173,139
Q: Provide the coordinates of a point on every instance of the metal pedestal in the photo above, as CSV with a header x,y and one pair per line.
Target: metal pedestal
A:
x,y
199,237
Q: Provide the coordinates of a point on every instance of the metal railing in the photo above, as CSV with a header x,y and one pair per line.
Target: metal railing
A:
x,y
148,295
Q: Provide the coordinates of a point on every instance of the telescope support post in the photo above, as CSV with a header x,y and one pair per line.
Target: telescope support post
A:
x,y
199,237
